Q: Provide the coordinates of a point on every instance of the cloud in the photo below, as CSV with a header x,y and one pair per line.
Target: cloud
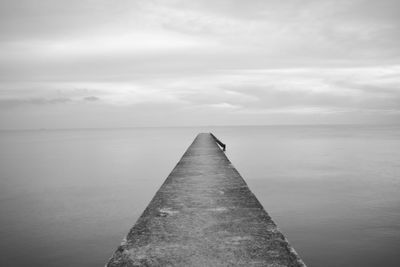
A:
x,y
75,40
228,60
91,98
329,89
334,89
15,102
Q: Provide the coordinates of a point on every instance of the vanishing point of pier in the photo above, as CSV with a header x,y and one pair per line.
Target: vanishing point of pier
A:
x,y
205,215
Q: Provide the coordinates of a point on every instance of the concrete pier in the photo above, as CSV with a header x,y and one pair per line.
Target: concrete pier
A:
x,y
205,215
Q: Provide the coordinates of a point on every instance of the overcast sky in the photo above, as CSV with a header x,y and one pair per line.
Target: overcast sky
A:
x,y
86,63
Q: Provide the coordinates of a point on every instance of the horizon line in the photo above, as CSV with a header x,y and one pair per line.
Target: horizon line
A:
x,y
196,126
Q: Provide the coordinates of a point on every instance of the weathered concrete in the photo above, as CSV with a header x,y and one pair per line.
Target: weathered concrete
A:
x,y
205,215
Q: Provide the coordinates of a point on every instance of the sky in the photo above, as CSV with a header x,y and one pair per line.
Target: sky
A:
x,y
132,63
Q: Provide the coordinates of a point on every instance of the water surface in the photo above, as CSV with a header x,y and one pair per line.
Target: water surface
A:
x,y
68,197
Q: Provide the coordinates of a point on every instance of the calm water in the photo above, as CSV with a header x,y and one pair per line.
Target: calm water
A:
x,y
67,198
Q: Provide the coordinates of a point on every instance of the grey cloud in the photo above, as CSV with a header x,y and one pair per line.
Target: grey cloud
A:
x,y
15,102
255,34
51,44
46,19
214,96
273,98
91,98
382,89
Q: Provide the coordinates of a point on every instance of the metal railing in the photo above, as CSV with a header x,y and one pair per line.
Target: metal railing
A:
x,y
222,145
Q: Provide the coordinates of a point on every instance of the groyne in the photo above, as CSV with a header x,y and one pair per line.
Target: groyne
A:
x,y
204,214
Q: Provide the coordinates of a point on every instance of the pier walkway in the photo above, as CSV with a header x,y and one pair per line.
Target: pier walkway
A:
x,y
205,215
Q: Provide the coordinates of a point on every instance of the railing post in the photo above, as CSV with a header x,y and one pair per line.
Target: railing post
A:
x,y
222,145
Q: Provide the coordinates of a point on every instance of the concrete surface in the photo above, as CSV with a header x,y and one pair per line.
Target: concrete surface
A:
x,y
204,215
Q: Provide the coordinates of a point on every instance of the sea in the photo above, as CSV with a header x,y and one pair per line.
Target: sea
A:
x,y
68,197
